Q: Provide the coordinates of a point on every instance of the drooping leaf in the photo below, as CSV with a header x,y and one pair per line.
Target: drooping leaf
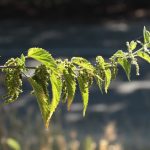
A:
x,y
56,83
84,89
100,73
42,99
107,79
104,72
82,62
99,82
64,92
114,71
126,66
43,56
144,56
41,75
70,84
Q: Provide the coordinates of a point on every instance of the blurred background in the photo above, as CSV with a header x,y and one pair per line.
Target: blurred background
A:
x,y
119,120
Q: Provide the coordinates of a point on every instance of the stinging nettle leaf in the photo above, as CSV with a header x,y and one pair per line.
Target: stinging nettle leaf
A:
x,y
23,58
84,89
146,35
99,82
42,99
100,61
71,86
64,92
56,83
126,66
42,56
114,71
100,72
107,79
82,62
132,45
118,54
144,56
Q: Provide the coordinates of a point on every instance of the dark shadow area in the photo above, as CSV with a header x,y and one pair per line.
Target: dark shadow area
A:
x,y
80,10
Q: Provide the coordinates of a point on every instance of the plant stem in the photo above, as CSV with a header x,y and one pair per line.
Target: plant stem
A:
x,y
27,67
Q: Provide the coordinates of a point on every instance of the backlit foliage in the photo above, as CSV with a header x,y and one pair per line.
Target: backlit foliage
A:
x,y
63,76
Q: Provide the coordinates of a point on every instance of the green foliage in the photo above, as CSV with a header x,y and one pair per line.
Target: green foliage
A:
x,y
125,65
144,55
132,45
70,83
39,83
56,83
64,75
42,56
13,144
83,80
146,35
83,63
104,73
13,79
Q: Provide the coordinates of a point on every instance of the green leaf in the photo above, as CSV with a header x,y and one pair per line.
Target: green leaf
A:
x,y
13,144
118,54
114,71
82,63
126,66
146,35
132,45
70,84
84,89
100,62
43,56
13,80
23,58
56,83
107,79
144,56
42,99
99,82
100,72
64,92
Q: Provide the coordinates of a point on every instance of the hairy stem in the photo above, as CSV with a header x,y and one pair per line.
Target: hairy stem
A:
x,y
27,67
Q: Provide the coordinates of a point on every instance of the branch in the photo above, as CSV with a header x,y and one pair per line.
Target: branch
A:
x,y
13,67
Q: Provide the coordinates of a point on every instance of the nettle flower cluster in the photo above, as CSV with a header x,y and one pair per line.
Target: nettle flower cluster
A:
x,y
61,77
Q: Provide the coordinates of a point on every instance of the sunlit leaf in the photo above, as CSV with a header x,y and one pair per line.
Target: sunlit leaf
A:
x,y
42,99
132,45
100,61
126,66
43,56
146,35
107,79
82,62
56,83
99,82
71,85
84,89
144,56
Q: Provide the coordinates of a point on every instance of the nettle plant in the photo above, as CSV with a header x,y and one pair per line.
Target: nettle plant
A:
x,y
60,77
